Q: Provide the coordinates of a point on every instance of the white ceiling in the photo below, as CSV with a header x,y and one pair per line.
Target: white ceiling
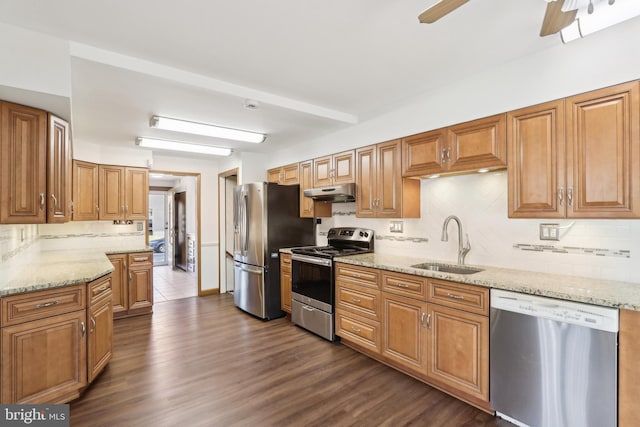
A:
x,y
315,66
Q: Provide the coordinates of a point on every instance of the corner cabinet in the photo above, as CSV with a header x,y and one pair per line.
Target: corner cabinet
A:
x,y
381,190
59,165
132,284
578,157
123,193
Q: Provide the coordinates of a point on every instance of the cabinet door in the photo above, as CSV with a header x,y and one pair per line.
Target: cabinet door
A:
x,y
290,174
423,154
58,171
537,161
119,284
23,146
389,180
308,207
85,191
458,345
404,334
477,144
274,175
44,361
322,172
343,167
366,182
285,282
136,205
140,286
100,345
111,195
603,153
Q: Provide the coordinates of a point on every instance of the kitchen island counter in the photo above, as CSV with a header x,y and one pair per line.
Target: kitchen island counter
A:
x,y
572,288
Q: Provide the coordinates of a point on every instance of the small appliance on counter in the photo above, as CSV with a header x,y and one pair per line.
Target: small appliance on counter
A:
x,y
266,218
312,278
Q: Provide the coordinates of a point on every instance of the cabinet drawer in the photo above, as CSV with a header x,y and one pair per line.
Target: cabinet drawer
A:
x,y
358,330
99,288
405,284
38,305
141,258
470,298
359,300
347,273
285,262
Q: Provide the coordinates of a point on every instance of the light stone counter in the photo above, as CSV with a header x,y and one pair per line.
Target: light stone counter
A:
x,y
37,270
591,291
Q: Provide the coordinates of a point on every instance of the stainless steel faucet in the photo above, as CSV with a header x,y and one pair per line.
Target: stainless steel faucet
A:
x,y
462,249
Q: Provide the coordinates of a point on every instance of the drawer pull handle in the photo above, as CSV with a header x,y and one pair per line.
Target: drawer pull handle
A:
x,y
103,288
402,285
356,300
356,275
139,259
450,295
47,304
356,330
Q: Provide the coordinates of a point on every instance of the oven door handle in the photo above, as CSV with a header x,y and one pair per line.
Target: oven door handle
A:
x,y
311,260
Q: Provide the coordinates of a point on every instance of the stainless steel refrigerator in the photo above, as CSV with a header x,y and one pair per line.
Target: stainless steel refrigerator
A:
x,y
266,218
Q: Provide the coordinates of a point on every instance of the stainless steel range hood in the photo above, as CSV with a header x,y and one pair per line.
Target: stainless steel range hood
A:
x,y
333,194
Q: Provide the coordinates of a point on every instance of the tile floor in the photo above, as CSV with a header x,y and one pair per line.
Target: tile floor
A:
x,y
170,284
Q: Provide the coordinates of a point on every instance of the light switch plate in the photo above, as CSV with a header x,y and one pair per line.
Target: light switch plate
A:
x,y
549,231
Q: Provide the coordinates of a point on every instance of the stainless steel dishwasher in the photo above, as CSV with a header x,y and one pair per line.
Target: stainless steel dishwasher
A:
x,y
553,363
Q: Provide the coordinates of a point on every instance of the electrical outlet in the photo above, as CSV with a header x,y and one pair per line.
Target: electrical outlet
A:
x,y
395,226
549,231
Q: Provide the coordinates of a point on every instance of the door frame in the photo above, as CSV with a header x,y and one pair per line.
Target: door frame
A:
x,y
222,234
198,225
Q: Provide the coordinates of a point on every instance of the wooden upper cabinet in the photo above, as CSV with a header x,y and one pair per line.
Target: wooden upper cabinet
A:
x,y
424,153
284,175
309,208
536,140
477,144
85,191
465,147
123,192
578,157
59,159
603,153
335,169
381,190
23,187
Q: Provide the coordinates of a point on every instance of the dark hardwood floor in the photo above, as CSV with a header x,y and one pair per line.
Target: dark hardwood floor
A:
x,y
203,362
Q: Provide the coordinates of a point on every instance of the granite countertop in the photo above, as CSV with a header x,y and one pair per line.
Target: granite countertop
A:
x,y
49,269
591,291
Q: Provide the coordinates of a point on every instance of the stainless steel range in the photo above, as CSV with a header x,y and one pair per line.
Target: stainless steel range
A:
x,y
312,278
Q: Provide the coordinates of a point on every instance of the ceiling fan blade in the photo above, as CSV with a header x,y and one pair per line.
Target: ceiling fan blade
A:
x,y
555,19
439,10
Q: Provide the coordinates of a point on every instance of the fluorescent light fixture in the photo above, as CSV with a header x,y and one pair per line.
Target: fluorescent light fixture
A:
x,y
176,125
606,15
162,144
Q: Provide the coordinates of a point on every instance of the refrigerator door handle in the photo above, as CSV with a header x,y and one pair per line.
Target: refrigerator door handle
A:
x,y
245,245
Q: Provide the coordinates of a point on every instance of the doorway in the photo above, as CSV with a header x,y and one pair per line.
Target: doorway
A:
x,y
177,196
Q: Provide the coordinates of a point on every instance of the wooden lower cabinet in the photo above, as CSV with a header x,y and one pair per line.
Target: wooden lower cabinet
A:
x,y
362,332
629,368
285,282
404,334
458,344
132,284
100,344
44,360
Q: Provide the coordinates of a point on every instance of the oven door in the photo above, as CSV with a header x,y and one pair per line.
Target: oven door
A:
x,y
312,281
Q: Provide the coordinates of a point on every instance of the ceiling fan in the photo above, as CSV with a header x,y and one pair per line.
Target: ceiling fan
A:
x,y
559,13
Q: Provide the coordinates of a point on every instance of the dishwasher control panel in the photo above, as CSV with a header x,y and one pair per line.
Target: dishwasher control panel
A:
x,y
590,316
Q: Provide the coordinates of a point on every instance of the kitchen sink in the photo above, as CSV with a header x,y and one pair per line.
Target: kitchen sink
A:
x,y
447,268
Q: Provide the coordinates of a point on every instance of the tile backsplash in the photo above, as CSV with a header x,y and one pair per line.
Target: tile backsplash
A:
x,y
590,248
16,238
